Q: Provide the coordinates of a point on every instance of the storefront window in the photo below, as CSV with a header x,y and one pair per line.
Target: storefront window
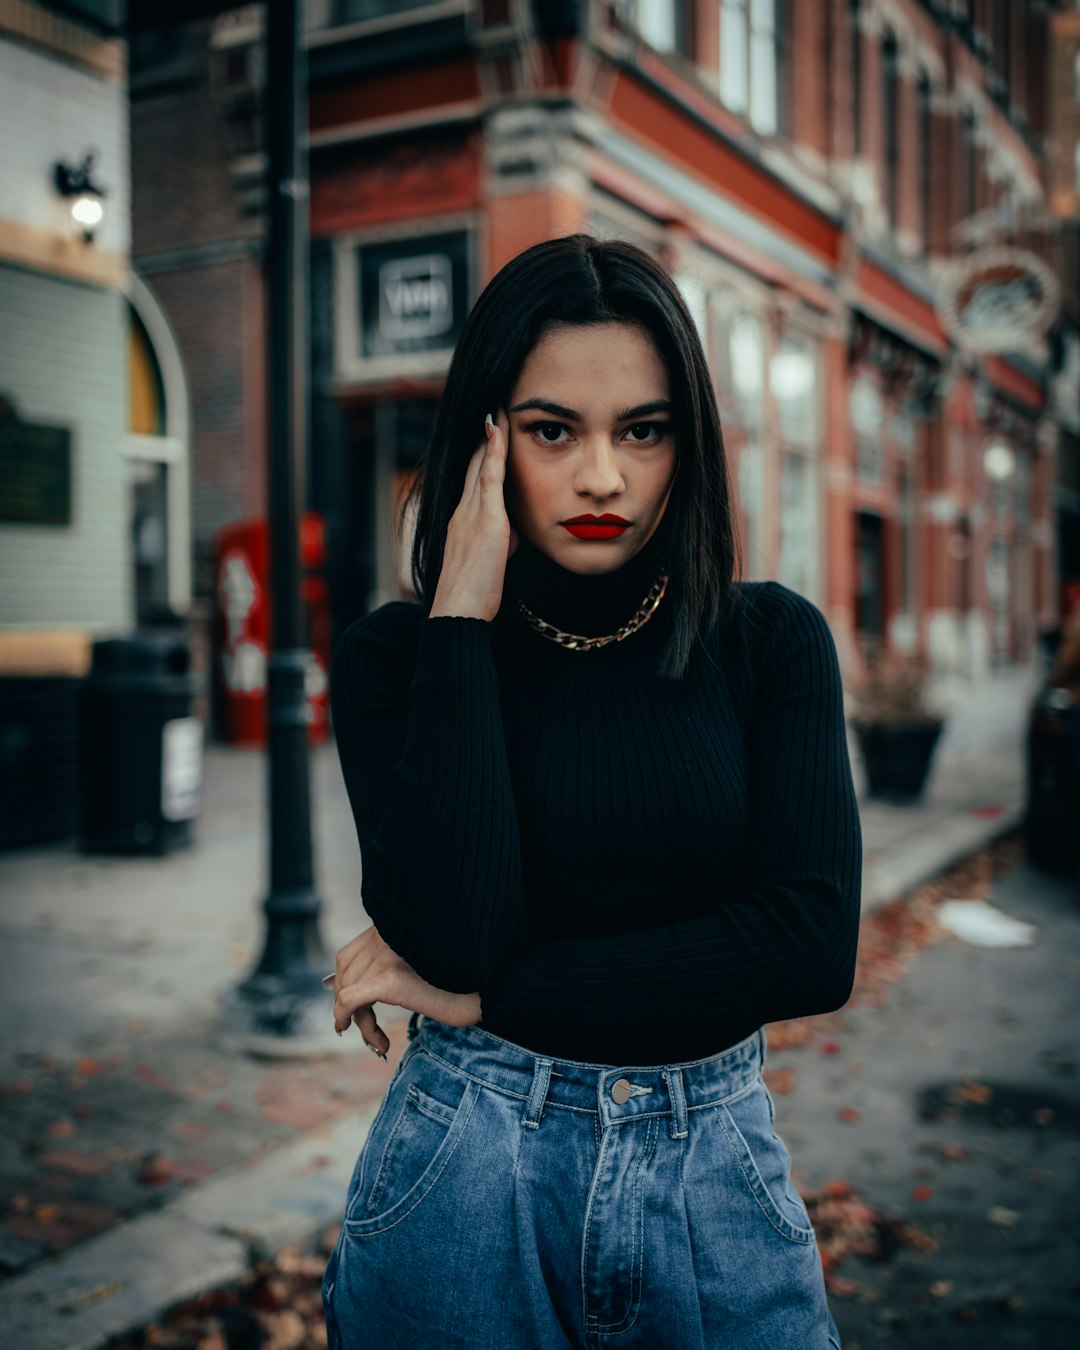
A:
x,y
907,540
746,355
797,565
694,294
740,345
867,418
794,384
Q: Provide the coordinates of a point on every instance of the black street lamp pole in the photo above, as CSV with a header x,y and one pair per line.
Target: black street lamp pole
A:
x,y
282,1003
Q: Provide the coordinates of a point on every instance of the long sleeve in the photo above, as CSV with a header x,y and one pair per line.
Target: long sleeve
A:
x,y
784,943
419,734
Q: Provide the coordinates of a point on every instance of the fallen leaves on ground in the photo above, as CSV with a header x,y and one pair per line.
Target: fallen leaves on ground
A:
x,y
779,1081
891,936
277,1306
846,1226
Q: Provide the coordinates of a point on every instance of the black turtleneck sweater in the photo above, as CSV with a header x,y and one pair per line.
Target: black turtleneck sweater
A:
x,y
630,870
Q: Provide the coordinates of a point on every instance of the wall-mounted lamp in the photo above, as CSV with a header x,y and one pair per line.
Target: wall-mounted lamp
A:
x,y
86,200
999,460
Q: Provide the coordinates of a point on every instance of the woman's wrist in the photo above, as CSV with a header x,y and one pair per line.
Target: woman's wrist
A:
x,y
449,606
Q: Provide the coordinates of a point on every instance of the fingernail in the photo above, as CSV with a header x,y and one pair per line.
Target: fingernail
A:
x,y
489,427
373,1048
339,1031
382,1055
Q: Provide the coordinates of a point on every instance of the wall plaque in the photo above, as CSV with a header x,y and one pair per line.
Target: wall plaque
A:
x,y
998,300
35,471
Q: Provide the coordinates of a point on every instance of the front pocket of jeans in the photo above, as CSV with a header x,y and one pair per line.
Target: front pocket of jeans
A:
x,y
418,1147
763,1161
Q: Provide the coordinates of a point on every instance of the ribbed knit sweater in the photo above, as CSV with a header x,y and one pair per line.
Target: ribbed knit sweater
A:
x,y
630,870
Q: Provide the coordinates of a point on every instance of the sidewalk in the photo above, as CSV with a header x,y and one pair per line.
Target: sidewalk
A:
x,y
142,1160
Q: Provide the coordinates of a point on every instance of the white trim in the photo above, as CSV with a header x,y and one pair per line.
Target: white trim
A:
x,y
397,18
174,448
157,449
442,115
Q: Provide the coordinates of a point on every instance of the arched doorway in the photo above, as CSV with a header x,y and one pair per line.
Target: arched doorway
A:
x,y
158,451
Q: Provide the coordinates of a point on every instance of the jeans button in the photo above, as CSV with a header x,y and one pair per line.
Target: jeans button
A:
x,y
620,1091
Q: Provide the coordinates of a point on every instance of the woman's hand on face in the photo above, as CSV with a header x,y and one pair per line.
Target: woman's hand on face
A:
x,y
369,972
479,537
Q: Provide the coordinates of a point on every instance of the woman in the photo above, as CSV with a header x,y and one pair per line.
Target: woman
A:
x,y
608,829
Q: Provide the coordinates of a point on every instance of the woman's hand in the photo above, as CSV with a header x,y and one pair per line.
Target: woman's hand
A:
x,y
479,537
369,972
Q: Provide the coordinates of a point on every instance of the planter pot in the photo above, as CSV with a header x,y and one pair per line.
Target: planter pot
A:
x,y
897,756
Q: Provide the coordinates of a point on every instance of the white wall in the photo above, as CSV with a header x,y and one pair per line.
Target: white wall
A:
x,y
62,362
51,110
63,344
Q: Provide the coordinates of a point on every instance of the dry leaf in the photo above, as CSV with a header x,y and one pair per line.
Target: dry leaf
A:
x,y
780,1081
977,1094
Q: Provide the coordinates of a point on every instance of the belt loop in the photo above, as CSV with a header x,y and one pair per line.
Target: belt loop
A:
x,y
678,1103
534,1107
414,1026
763,1043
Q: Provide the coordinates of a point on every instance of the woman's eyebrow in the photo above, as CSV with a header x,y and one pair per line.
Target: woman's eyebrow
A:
x,y
557,410
545,405
644,409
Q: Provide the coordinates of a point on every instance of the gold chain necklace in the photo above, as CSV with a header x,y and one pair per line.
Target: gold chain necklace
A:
x,y
575,643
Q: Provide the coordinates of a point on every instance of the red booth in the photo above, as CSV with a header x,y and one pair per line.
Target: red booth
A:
x,y
242,630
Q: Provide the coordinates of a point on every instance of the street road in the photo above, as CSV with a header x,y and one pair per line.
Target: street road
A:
x,y
941,1130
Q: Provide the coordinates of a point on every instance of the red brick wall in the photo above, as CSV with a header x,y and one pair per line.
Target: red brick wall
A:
x,y
371,184
217,315
516,222
183,194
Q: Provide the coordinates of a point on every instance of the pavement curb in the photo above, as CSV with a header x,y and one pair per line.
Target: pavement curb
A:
x,y
899,871
207,1237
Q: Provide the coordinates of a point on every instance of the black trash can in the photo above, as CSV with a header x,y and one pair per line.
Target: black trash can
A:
x,y
141,745
39,759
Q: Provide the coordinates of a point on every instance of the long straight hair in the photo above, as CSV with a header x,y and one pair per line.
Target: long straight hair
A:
x,y
581,280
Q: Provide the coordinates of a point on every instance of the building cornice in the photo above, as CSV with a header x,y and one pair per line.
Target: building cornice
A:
x,y
41,28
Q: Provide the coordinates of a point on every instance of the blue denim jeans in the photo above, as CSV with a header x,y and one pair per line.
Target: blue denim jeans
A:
x,y
506,1200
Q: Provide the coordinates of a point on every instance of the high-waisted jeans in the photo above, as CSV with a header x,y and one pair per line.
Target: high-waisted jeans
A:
x,y
511,1201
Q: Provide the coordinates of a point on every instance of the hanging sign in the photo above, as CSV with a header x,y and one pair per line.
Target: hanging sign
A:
x,y
998,300
414,294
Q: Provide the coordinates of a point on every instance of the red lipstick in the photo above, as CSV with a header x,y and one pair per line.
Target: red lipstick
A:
x,y
595,527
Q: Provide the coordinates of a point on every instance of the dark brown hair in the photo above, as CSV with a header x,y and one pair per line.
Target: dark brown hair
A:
x,y
581,280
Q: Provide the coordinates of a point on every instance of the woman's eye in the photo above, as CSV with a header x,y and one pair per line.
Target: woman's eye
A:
x,y
548,433
645,433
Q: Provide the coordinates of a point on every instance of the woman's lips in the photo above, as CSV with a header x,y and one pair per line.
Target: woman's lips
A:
x,y
596,527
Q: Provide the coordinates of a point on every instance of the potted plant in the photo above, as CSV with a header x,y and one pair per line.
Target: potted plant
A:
x,y
896,724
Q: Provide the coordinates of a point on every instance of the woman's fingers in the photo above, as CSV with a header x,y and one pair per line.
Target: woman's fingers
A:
x,y
493,469
472,473
372,1033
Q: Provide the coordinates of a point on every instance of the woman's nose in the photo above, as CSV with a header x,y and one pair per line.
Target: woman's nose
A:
x,y
598,474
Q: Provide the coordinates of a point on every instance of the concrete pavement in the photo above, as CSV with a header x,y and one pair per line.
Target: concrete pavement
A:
x,y
128,1119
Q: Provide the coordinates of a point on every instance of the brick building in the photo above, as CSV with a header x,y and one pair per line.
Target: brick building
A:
x,y
807,172
1063,168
